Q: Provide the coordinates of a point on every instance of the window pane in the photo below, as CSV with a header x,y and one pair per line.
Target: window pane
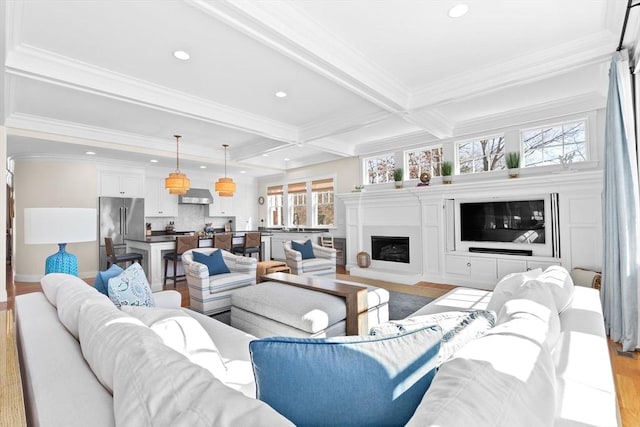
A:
x,y
546,146
426,159
297,203
380,169
323,207
482,155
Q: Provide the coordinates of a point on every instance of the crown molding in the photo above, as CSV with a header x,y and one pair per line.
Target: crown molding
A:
x,y
282,27
33,63
519,71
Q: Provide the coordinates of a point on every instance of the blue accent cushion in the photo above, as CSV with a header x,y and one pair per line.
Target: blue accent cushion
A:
x,y
131,288
305,249
102,279
214,262
347,381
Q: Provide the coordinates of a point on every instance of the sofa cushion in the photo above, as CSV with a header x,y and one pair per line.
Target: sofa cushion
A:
x,y
52,282
190,395
70,298
130,288
104,331
184,334
102,279
504,378
305,249
559,281
458,328
214,262
507,286
351,381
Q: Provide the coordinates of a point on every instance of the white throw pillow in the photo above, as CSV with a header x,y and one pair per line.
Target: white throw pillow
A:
x,y
534,303
156,386
104,331
507,286
561,285
458,328
184,334
69,300
503,379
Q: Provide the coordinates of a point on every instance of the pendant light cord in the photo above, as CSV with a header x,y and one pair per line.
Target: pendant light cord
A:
x,y
177,152
225,159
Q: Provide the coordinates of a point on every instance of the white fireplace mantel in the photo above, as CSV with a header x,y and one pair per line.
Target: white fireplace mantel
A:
x,y
419,213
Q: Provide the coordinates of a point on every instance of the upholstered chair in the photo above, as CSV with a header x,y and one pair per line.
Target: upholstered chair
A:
x,y
322,264
211,294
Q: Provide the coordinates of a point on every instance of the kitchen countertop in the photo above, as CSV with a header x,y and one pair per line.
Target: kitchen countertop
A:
x,y
172,237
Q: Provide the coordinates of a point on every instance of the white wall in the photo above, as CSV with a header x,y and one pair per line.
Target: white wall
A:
x,y
3,215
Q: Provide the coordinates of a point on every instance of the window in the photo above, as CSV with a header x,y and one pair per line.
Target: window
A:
x,y
481,155
550,145
274,205
380,169
297,203
428,159
322,193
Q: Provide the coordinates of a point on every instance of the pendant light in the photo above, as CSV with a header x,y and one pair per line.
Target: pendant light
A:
x,y
177,183
225,187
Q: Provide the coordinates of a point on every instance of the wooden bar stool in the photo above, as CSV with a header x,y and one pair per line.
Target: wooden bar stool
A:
x,y
183,244
223,241
250,245
112,258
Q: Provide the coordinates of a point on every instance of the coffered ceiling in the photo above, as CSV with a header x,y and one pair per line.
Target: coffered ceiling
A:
x,y
360,76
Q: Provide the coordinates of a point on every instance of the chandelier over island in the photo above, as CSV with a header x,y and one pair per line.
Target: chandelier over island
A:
x,y
177,183
225,187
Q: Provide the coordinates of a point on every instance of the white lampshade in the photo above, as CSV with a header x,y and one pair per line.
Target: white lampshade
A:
x,y
60,225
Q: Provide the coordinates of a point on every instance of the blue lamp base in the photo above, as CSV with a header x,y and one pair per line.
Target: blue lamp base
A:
x,y
62,262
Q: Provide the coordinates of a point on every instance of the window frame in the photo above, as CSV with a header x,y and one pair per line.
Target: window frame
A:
x,y
543,125
365,168
457,144
405,156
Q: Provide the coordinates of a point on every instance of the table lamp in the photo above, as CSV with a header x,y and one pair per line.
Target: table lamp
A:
x,y
61,226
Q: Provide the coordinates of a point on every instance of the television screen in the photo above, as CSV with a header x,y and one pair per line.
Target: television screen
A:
x,y
517,221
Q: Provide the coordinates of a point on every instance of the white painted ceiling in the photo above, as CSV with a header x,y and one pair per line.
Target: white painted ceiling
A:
x,y
361,76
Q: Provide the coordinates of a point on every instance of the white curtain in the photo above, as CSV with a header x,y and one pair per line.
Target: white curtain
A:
x,y
619,292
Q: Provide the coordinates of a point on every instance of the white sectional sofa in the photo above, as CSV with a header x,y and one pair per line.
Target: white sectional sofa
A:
x,y
143,381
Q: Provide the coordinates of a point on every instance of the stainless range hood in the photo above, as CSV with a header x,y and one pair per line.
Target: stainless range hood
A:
x,y
196,196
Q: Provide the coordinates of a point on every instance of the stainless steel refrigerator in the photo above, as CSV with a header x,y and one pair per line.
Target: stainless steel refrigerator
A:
x,y
120,218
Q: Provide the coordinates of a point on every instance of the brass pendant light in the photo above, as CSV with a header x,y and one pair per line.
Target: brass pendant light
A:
x,y
177,183
225,187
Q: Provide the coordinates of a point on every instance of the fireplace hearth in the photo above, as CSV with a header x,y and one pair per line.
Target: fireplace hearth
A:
x,y
390,248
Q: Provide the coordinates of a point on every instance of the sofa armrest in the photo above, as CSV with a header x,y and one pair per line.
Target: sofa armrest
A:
x,y
322,252
167,299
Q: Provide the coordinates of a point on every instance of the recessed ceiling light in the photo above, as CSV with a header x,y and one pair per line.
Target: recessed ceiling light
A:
x,y
281,94
265,155
203,167
458,10
286,159
153,161
182,55
90,153
243,171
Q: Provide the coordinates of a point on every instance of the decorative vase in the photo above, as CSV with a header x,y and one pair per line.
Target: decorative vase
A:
x,y
398,184
446,179
513,172
363,259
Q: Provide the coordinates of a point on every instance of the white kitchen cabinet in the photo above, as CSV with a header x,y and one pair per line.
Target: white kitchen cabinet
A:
x,y
157,200
118,184
221,206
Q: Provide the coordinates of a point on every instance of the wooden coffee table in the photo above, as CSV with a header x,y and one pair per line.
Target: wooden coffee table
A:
x,y
266,267
355,297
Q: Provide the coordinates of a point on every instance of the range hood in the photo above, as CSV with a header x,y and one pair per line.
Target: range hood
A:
x,y
196,196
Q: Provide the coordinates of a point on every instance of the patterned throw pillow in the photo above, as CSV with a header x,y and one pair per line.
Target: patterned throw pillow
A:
x,y
214,262
131,288
305,249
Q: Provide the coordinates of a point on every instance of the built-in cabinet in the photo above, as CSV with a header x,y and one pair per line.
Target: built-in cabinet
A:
x,y
157,200
221,206
120,184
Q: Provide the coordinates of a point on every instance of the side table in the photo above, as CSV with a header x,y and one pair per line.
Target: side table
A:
x,y
267,267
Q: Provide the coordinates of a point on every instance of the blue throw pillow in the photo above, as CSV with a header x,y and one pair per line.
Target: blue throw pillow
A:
x,y
305,249
102,279
351,381
131,288
214,262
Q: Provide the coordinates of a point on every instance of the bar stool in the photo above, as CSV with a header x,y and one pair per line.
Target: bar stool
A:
x,y
251,245
183,244
223,241
112,258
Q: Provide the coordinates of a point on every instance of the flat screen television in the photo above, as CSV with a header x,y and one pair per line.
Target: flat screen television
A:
x,y
509,221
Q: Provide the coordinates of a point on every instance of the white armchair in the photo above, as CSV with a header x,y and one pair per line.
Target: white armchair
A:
x,y
324,263
212,294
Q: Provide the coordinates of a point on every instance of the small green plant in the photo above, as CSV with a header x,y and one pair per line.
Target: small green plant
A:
x,y
513,160
398,174
447,168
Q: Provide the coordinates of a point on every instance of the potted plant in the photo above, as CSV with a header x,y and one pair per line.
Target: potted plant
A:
x,y
512,160
447,170
397,177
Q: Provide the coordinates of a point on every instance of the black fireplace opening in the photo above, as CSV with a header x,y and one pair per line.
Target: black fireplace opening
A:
x,y
390,248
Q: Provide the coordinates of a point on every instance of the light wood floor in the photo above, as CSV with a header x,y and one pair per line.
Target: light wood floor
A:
x,y
626,369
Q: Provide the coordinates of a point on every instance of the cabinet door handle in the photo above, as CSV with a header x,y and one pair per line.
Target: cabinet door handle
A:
x,y
468,264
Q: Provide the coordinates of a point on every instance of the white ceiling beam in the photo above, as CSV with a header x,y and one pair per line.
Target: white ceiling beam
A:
x,y
432,121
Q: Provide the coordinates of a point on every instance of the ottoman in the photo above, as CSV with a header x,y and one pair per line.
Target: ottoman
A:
x,y
277,309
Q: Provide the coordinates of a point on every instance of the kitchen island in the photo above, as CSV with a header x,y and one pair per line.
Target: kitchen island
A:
x,y
153,248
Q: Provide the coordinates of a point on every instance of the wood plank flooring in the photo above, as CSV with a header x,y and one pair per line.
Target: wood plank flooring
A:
x,y
626,370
